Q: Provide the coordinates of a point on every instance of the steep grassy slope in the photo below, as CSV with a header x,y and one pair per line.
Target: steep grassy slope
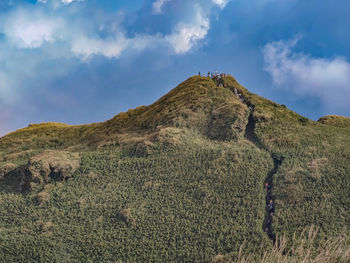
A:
x,y
337,121
313,183
179,180
190,105
183,203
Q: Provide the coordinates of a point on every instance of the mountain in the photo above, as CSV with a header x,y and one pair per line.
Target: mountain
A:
x,y
180,180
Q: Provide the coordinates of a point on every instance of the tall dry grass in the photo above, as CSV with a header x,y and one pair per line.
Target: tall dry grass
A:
x,y
300,249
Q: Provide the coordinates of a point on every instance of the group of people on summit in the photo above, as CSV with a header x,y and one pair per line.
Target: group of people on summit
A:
x,y
218,77
213,75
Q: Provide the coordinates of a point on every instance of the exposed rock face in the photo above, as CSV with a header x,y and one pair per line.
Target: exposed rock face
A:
x,y
228,121
11,177
7,168
50,166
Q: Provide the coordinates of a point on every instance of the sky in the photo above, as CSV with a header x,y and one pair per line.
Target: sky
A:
x,y
84,61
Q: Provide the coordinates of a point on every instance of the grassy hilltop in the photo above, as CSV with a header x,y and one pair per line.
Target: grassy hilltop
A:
x,y
180,180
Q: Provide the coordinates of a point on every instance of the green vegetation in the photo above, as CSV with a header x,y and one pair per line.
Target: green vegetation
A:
x,y
180,180
312,186
337,121
301,248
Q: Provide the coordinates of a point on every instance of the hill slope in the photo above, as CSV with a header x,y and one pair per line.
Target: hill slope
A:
x,y
179,180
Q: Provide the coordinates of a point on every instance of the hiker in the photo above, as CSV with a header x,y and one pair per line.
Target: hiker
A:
x,y
267,187
199,73
271,207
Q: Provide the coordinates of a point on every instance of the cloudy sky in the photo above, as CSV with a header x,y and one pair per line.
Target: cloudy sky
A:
x,y
83,61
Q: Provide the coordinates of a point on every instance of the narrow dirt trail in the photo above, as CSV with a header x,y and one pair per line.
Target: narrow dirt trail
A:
x,y
268,183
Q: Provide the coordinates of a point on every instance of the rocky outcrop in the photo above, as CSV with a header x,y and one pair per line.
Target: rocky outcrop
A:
x,y
228,121
7,168
50,166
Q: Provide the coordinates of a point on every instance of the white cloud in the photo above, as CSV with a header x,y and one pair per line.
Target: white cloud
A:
x,y
328,79
65,2
26,30
181,40
186,36
157,6
111,48
221,3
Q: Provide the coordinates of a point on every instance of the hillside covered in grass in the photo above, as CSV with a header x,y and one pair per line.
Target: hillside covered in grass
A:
x,y
181,180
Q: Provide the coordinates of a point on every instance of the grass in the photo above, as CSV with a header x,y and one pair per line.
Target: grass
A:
x,y
337,121
302,248
130,210
176,181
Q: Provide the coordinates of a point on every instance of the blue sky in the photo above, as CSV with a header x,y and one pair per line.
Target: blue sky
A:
x,y
83,61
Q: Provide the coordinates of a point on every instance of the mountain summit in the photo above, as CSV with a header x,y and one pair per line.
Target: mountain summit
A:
x,y
198,103
206,169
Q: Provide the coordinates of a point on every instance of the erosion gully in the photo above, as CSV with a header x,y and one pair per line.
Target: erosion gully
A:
x,y
268,183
